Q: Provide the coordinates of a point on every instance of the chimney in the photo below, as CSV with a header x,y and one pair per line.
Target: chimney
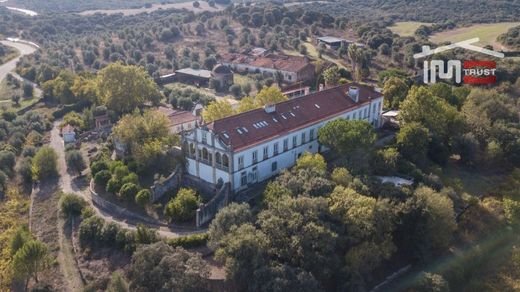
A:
x,y
353,92
320,88
270,108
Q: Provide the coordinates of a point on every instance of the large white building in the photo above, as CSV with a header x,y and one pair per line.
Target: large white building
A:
x,y
253,146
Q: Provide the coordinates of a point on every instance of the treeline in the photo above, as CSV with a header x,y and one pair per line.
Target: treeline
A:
x,y
460,12
57,6
511,38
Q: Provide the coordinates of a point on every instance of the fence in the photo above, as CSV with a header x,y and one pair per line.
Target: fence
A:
x,y
206,212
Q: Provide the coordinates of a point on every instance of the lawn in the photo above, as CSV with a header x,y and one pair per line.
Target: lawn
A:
x,y
7,91
476,182
487,32
406,28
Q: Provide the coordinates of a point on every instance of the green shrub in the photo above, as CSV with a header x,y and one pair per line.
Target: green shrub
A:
x,y
182,208
128,192
98,166
189,241
102,177
90,230
113,185
72,205
143,197
131,178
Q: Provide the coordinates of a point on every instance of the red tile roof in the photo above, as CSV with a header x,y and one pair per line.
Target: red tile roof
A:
x,y
289,115
67,129
177,117
271,61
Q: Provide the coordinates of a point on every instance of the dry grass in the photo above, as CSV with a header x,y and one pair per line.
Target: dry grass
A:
x,y
406,28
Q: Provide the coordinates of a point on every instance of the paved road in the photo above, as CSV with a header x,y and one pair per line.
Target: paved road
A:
x,y
24,49
68,185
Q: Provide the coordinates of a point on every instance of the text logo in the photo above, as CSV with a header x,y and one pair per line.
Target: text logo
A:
x,y
475,72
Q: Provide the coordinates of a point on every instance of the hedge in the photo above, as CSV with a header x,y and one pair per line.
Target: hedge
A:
x,y
189,241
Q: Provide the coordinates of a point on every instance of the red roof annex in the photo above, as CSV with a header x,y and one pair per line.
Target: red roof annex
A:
x,y
257,126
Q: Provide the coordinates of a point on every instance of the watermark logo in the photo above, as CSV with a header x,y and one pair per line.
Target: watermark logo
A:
x,y
475,71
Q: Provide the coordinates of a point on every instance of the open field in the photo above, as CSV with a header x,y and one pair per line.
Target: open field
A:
x,y
474,182
204,6
487,32
406,28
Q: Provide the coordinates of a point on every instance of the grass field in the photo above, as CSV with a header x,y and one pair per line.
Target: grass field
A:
x,y
487,32
406,28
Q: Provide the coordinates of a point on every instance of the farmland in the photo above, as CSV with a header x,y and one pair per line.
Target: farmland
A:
x,y
487,32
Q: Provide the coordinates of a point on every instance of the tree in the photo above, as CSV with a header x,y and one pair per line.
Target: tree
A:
x,y
427,223
281,277
236,90
159,267
217,110
102,177
370,224
182,208
300,224
139,87
269,95
242,250
128,192
435,114
148,137
246,104
117,283
227,218
395,91
7,161
72,205
27,90
196,4
21,236
313,162
412,141
275,191
143,197
332,76
351,139
341,176
75,161
428,282
29,260
44,163
16,99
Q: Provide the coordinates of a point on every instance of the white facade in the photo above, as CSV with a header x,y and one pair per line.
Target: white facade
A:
x,y
210,159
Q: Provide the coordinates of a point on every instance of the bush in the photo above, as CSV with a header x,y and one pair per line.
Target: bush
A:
x,y
113,185
27,90
143,197
90,230
182,208
7,161
98,166
25,170
45,163
75,161
72,205
102,177
189,241
128,192
131,178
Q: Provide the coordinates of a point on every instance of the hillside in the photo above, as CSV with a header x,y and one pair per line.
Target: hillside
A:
x,y
464,11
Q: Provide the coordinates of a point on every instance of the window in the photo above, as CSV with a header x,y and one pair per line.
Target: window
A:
x,y
285,144
354,115
225,160
303,138
294,141
274,166
240,162
243,178
275,148
255,156
311,134
204,139
366,112
266,152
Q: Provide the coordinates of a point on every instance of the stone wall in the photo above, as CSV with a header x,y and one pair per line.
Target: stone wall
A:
x,y
206,212
170,183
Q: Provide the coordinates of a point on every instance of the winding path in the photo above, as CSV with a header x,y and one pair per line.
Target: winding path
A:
x,y
68,185
23,48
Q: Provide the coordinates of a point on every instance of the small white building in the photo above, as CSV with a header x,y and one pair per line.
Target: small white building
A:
x,y
255,145
69,134
179,120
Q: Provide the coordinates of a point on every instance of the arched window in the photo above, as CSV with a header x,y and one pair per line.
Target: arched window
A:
x,y
192,149
218,159
225,160
204,153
